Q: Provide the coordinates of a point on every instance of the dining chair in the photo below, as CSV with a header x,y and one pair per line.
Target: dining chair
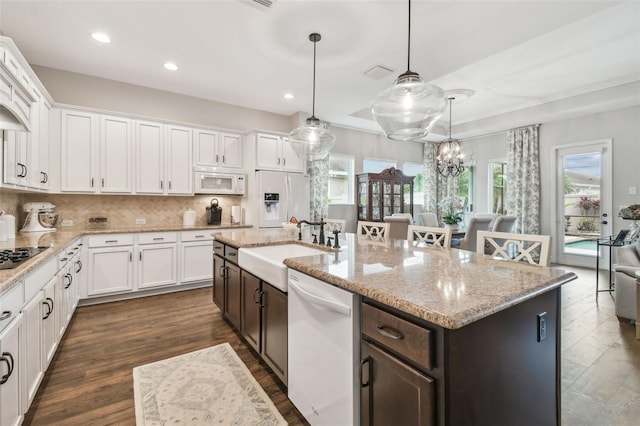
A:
x,y
493,216
335,225
529,248
469,241
398,226
375,231
407,215
504,224
430,235
428,219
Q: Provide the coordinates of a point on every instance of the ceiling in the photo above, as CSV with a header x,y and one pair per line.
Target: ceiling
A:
x,y
524,59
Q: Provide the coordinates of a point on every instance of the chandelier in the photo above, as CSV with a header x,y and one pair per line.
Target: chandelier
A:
x,y
408,109
449,156
312,140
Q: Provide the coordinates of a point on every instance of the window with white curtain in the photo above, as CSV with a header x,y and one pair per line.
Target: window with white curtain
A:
x,y
341,179
376,165
498,185
416,170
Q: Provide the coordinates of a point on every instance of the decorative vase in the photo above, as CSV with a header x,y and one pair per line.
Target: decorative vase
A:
x,y
452,226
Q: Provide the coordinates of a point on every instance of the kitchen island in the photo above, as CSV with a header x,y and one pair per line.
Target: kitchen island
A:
x,y
489,351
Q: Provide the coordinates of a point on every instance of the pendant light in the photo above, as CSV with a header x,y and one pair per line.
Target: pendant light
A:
x,y
312,140
449,155
408,109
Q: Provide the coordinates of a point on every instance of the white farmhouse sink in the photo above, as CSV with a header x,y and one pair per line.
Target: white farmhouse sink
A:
x,y
266,262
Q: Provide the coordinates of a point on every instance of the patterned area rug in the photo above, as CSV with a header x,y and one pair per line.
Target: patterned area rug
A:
x,y
205,387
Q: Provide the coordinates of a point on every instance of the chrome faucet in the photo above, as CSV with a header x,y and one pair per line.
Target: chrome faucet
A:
x,y
321,223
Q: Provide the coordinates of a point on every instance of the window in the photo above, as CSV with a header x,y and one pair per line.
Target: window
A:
x,y
370,165
341,177
465,187
499,187
417,170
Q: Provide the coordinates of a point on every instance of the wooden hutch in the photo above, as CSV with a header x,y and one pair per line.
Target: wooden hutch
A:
x,y
382,194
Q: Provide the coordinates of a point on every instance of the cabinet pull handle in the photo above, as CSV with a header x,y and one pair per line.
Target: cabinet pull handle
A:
x,y
5,315
130,257
216,158
64,259
390,332
44,177
223,161
92,180
70,278
169,184
26,171
254,295
111,241
161,185
103,182
221,272
140,256
284,161
48,312
364,361
262,304
79,266
8,358
199,236
158,239
232,254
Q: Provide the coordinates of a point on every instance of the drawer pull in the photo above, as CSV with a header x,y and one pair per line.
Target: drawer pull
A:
x,y
232,254
390,332
158,239
111,241
5,315
199,236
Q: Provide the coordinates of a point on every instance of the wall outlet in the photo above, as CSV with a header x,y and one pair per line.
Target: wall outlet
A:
x,y
66,222
142,221
542,326
633,190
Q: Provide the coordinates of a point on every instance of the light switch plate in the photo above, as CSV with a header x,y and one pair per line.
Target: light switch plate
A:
x,y
632,190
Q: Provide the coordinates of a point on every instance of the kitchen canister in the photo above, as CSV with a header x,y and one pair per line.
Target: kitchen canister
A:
x,y
3,230
189,218
10,225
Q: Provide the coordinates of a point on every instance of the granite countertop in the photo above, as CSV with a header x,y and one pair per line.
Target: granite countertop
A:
x,y
448,287
56,241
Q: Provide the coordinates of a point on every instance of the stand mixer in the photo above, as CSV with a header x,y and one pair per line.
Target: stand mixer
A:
x,y
40,217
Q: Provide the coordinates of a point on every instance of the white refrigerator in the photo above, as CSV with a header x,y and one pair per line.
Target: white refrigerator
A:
x,y
280,196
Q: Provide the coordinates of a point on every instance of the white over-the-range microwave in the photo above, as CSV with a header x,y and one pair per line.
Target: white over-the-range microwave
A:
x,y
218,183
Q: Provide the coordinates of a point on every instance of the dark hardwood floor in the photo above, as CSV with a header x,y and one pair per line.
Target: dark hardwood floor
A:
x,y
90,381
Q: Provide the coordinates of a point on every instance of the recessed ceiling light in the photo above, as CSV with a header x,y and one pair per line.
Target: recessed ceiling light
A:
x,y
288,95
101,37
171,66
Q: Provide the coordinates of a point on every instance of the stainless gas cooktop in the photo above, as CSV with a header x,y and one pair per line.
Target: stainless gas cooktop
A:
x,y
12,258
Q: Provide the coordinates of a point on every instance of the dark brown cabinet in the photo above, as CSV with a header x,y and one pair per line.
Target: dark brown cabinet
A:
x,y
264,322
382,194
226,282
393,392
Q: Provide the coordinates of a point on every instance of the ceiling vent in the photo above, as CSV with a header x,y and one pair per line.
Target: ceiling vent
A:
x,y
379,72
259,4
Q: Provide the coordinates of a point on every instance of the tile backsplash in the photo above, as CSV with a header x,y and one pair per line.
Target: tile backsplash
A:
x,y
124,210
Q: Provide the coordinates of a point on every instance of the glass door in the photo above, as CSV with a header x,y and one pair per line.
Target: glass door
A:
x,y
583,202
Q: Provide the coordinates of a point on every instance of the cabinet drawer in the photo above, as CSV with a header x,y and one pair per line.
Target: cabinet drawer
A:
x,y
200,235
399,335
218,248
231,254
10,304
157,237
111,240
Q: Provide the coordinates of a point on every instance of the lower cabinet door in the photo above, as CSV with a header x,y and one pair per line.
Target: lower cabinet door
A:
x,y
274,330
157,265
32,324
218,281
251,296
394,392
110,270
10,373
50,329
233,295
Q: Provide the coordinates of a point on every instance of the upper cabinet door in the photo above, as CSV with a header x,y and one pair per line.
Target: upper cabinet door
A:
x,y
268,152
179,176
115,155
42,176
79,136
231,150
290,160
149,158
205,147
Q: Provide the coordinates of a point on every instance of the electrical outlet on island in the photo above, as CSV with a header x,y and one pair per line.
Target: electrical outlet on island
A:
x,y
142,221
66,222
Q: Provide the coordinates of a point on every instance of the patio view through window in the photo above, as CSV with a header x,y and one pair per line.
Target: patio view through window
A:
x,y
581,181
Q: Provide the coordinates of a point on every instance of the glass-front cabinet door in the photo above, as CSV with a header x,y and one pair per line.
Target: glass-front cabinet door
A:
x,y
383,194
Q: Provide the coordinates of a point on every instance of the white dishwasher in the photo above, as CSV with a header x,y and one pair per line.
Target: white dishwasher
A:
x,y
324,351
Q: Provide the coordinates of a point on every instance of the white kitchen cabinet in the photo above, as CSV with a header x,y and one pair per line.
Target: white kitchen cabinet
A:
x,y
215,149
34,368
179,162
196,249
79,136
157,260
110,268
149,141
17,149
63,287
50,330
116,152
42,175
10,373
275,152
